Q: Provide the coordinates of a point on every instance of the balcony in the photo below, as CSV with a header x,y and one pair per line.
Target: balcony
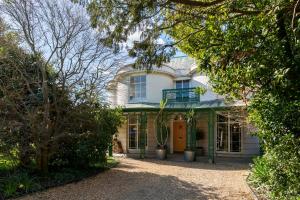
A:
x,y
185,95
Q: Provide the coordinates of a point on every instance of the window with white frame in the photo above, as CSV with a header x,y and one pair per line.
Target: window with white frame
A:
x,y
137,89
182,84
229,131
134,132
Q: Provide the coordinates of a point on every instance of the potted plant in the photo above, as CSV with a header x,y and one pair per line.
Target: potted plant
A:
x,y
161,126
189,155
189,152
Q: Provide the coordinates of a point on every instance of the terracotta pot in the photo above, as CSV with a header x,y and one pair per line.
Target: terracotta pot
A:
x,y
189,155
161,154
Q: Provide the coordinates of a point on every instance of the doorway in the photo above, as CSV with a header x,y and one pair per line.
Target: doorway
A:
x,y
179,136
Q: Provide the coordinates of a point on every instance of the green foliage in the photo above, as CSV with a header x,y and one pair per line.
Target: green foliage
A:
x,y
260,172
277,171
19,181
279,179
91,130
79,126
200,90
10,188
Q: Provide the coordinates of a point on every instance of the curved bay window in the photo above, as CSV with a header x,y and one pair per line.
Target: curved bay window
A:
x,y
137,89
229,133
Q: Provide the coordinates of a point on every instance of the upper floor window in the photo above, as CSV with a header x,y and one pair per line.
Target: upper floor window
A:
x,y
182,84
182,95
137,89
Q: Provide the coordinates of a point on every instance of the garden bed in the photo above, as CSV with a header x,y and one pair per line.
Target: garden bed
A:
x,y
15,182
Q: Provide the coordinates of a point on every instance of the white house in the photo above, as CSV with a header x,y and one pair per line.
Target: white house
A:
x,y
219,131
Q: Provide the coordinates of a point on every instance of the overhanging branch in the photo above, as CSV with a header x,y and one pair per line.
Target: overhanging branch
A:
x,y
198,3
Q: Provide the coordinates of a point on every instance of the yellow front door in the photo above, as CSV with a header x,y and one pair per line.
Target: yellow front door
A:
x,y
179,136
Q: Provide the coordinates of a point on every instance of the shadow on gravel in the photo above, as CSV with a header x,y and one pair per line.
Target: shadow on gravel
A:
x,y
144,185
200,165
121,184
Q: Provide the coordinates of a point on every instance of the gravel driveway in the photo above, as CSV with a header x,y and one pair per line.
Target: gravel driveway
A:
x,y
155,180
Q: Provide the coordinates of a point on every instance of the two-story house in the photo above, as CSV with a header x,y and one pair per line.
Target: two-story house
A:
x,y
220,130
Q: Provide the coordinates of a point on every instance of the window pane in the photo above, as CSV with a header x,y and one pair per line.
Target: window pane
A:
x,y
143,90
143,94
185,84
222,137
137,94
221,118
235,140
132,91
133,119
132,136
178,84
137,79
137,87
143,79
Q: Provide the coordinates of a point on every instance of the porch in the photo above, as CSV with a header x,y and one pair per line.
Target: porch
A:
x,y
139,137
212,134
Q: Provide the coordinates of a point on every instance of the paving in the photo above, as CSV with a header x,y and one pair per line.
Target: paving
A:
x,y
151,179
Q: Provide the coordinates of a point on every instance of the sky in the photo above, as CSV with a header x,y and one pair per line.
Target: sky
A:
x,y
162,40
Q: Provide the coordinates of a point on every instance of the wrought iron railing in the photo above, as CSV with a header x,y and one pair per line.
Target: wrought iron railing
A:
x,y
185,95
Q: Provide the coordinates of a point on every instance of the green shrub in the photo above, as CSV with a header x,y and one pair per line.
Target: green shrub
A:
x,y
260,171
26,183
91,133
10,187
278,171
20,182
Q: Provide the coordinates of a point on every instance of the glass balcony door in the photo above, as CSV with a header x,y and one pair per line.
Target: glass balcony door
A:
x,y
181,94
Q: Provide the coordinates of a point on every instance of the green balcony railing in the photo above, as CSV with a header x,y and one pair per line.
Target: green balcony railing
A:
x,y
185,95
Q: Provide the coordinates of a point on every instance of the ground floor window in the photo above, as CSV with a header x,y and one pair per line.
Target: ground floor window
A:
x,y
229,133
134,132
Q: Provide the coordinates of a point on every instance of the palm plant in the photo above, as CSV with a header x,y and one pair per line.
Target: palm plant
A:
x,y
161,126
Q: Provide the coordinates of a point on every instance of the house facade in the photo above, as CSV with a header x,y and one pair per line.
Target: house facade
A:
x,y
220,128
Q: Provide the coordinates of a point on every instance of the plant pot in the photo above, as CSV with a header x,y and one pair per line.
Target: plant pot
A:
x,y
161,154
189,155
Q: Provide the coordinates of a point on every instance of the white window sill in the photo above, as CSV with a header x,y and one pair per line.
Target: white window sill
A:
x,y
137,100
228,152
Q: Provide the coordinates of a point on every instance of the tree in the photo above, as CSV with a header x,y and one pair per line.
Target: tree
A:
x,y
67,50
17,96
250,49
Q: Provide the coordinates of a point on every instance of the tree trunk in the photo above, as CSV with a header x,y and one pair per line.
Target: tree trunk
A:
x,y
42,160
45,133
25,148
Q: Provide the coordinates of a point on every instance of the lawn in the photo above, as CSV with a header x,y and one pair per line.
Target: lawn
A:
x,y
16,181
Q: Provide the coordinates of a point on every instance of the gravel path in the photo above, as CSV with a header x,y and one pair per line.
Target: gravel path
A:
x,y
154,180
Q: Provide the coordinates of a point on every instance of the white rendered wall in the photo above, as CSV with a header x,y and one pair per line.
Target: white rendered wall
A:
x,y
122,92
155,84
111,94
202,80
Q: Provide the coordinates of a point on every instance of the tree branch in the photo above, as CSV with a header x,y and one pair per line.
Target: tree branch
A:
x,y
198,3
